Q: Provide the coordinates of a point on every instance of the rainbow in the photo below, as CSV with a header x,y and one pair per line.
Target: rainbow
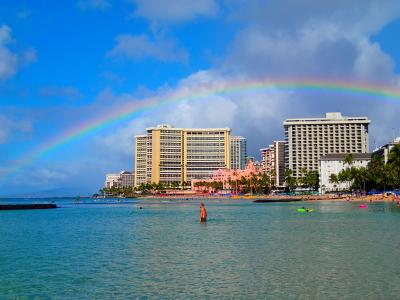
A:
x,y
137,108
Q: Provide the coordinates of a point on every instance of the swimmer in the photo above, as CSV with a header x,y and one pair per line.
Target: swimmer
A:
x,y
203,213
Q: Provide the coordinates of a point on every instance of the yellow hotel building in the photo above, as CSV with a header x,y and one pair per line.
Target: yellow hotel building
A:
x,y
166,154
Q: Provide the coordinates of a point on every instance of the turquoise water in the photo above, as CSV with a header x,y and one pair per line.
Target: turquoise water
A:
x,y
246,250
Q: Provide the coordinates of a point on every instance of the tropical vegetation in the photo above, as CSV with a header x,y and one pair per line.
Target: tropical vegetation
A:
x,y
308,180
376,176
256,183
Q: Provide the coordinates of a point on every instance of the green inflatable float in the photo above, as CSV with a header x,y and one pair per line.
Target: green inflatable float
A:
x,y
303,210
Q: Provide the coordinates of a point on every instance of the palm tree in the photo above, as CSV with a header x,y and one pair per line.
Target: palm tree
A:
x,y
271,178
236,181
333,178
303,178
253,183
343,176
245,183
265,183
349,159
376,169
290,180
394,165
312,180
362,177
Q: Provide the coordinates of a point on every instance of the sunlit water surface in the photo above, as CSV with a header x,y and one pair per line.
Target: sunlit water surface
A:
x,y
246,250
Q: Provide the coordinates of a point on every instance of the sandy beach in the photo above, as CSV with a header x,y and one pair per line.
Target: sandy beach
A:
x,y
327,197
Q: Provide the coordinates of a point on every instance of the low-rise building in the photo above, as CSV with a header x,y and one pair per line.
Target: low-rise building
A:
x,y
334,164
227,177
123,179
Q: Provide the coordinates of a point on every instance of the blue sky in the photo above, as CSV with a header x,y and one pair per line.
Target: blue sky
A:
x,y
64,62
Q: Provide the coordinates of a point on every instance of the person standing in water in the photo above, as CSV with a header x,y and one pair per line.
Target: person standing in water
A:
x,y
203,213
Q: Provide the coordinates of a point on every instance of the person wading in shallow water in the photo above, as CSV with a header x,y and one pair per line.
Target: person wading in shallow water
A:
x,y
203,213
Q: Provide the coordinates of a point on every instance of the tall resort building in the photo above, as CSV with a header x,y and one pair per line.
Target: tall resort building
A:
x,y
307,140
238,152
273,162
166,154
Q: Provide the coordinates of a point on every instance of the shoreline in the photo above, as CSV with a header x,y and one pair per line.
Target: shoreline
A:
x,y
286,198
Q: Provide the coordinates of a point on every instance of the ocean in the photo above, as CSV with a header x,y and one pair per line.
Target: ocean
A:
x,y
157,249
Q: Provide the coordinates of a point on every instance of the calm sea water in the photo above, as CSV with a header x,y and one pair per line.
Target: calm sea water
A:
x,y
246,250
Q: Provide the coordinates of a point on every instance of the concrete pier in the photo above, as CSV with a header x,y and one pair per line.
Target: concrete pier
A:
x,y
26,206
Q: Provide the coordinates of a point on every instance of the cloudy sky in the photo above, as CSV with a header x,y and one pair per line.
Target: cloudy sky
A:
x,y
63,65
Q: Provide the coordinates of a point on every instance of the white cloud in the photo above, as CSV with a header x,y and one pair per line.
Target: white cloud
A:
x,y
290,39
373,63
67,92
138,47
160,11
9,127
297,39
29,56
356,17
318,50
245,113
23,13
94,4
8,59
311,38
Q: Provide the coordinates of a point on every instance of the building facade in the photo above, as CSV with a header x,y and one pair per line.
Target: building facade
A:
x,y
273,162
180,154
238,152
385,149
307,140
140,172
227,177
124,179
267,159
334,164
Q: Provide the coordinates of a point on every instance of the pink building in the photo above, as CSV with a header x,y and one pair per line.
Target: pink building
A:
x,y
227,177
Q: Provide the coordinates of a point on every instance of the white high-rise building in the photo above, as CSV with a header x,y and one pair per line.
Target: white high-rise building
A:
x,y
307,140
238,152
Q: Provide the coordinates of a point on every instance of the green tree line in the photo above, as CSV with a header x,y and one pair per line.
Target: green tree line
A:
x,y
256,183
307,180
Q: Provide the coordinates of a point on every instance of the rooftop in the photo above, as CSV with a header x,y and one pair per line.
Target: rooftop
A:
x,y
342,156
330,117
170,127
